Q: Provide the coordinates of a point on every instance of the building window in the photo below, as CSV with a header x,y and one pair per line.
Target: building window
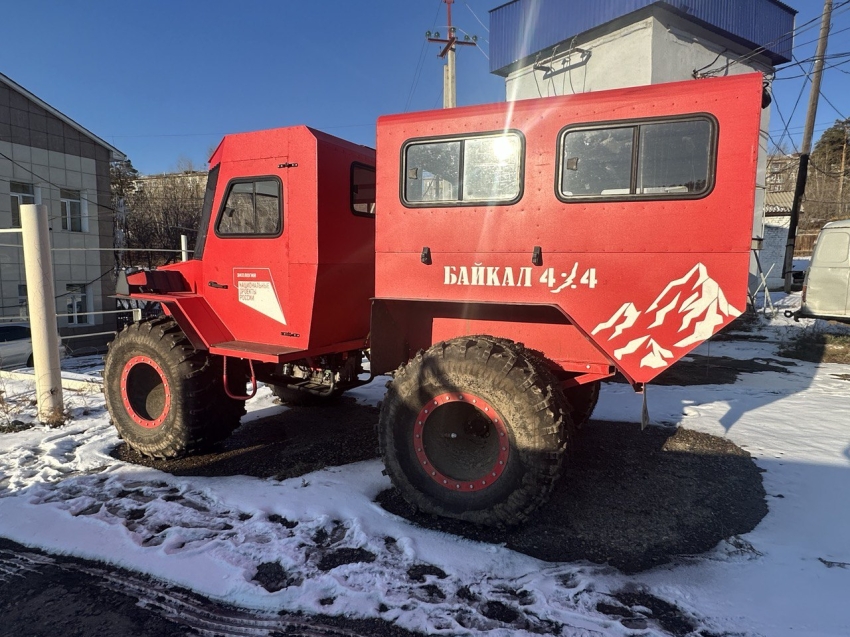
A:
x,y
644,160
363,190
72,211
251,208
77,304
22,300
467,171
21,194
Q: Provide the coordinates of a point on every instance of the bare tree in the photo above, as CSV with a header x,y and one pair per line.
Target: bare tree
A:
x,y
163,207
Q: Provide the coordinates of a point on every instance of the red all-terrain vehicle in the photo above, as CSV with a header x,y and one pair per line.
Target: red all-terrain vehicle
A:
x,y
498,260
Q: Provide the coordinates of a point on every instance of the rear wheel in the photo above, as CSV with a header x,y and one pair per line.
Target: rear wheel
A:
x,y
166,399
582,400
474,429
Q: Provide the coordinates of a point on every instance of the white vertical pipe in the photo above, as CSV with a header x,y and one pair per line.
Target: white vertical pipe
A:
x,y
41,300
184,247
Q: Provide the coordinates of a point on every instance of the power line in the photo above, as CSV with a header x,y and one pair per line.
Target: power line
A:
x,y
47,181
59,296
826,99
476,17
795,31
794,110
418,72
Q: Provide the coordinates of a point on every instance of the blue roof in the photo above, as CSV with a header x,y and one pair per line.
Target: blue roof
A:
x,y
523,28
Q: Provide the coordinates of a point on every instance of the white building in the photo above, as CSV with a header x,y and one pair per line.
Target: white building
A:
x,y
560,47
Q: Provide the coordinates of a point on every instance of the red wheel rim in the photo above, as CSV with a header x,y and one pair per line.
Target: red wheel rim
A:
x,y
145,392
480,408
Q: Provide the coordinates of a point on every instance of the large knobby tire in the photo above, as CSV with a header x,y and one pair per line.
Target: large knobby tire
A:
x,y
475,429
582,400
166,399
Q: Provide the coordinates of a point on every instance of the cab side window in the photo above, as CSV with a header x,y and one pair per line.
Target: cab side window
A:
x,y
251,208
363,190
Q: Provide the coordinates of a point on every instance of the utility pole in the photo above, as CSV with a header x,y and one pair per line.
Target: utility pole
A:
x,y
846,129
448,52
806,148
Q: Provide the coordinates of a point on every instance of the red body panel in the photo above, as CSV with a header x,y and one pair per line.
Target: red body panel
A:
x,y
317,276
669,273
632,284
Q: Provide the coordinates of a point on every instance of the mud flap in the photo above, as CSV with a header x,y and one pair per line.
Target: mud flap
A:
x,y
644,412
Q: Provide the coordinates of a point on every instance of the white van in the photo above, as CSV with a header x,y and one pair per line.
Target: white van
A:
x,y
825,290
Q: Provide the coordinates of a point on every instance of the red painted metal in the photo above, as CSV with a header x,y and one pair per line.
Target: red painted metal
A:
x,y
227,389
667,274
140,420
488,477
319,270
649,257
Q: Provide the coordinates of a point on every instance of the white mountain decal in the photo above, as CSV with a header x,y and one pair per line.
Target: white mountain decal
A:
x,y
655,358
703,309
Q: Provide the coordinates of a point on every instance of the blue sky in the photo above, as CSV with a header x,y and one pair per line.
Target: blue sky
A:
x,y
162,80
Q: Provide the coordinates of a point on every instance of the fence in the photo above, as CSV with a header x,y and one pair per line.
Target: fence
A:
x,y
123,313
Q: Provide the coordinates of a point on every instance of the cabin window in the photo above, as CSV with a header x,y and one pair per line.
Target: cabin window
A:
x,y
641,160
475,170
252,208
363,190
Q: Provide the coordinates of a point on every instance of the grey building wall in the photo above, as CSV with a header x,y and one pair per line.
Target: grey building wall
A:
x,y
39,148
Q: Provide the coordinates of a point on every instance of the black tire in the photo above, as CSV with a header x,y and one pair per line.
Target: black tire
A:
x,y
444,461
166,399
300,398
582,400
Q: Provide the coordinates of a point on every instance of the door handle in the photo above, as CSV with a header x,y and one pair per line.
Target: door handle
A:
x,y
220,286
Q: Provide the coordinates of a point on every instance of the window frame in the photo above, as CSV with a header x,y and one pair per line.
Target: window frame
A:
x,y
460,138
65,213
19,196
354,166
23,300
635,124
249,235
78,318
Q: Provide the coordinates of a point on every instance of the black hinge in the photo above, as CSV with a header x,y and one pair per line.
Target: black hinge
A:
x,y
288,165
425,257
220,286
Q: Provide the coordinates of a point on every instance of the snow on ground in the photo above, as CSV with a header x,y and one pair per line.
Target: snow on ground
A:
x,y
61,490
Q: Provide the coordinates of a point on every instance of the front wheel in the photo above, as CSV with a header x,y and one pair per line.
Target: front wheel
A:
x,y
474,429
165,398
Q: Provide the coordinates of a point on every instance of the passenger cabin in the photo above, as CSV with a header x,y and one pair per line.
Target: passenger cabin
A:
x,y
607,229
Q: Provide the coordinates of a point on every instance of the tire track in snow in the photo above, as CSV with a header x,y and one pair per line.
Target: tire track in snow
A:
x,y
183,607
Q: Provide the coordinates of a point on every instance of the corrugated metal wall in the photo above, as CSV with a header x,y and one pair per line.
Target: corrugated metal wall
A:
x,y
524,27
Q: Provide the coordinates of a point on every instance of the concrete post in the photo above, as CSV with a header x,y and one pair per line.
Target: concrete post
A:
x,y
184,247
41,299
449,85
